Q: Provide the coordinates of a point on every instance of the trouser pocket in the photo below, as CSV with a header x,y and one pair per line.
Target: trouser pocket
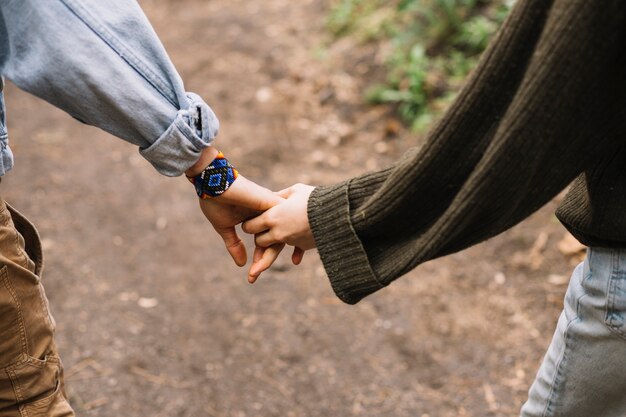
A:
x,y
37,386
13,339
606,287
29,241
616,304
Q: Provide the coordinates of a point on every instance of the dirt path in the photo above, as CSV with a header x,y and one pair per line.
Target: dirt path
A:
x,y
153,320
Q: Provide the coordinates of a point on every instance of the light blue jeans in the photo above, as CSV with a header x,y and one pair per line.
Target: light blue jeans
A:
x,y
584,371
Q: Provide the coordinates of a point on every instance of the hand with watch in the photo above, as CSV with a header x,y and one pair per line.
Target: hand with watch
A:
x,y
227,199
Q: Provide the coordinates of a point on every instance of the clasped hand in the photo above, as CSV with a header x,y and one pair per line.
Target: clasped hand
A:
x,y
276,219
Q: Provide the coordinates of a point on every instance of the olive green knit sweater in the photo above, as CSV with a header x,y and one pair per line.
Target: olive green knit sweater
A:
x,y
546,106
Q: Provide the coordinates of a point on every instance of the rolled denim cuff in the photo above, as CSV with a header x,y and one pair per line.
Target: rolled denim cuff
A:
x,y
180,146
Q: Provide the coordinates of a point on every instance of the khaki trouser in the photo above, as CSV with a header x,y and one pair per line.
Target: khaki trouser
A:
x,y
31,375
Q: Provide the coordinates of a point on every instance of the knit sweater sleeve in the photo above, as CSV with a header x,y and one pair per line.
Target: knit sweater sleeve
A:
x,y
545,104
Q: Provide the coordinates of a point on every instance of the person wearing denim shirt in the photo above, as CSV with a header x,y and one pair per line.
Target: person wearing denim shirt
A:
x,y
101,62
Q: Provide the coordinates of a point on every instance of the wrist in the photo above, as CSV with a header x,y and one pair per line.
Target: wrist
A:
x,y
206,157
212,175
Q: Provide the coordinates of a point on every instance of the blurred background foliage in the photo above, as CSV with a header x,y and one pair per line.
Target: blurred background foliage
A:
x,y
428,46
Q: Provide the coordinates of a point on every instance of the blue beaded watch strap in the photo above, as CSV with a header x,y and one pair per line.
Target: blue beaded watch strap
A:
x,y
215,179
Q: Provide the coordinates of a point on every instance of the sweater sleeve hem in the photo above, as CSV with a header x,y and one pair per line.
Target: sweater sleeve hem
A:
x,y
180,146
342,253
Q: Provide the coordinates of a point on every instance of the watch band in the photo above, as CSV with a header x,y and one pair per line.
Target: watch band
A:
x,y
216,178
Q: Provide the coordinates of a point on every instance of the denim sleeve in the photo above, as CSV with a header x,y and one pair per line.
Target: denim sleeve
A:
x,y
101,62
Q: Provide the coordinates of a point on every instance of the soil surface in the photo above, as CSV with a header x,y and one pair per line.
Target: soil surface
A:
x,y
155,320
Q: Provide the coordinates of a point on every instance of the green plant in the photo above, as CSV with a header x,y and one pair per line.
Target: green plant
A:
x,y
363,18
434,44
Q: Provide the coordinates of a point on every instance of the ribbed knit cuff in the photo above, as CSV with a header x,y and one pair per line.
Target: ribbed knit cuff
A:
x,y
340,249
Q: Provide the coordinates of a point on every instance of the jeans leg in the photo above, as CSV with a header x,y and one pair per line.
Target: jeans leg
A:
x,y
584,370
31,374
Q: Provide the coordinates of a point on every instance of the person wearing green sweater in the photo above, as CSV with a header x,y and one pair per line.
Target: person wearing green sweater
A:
x,y
545,108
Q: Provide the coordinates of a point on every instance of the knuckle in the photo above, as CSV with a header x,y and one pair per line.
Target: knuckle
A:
x,y
262,204
260,241
281,236
272,219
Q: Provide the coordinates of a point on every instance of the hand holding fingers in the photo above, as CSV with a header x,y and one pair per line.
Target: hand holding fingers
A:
x,y
286,222
233,202
293,205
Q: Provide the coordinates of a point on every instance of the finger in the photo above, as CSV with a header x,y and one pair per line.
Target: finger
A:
x,y
255,225
286,193
267,259
266,239
258,254
294,189
297,256
256,258
234,245
246,193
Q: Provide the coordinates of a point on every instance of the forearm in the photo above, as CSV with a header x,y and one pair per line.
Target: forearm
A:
x,y
206,157
515,137
422,185
102,63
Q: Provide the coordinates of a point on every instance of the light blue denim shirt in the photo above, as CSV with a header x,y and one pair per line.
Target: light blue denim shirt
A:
x,y
101,62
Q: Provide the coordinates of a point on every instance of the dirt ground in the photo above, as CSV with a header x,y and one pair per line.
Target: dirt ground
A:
x,y
154,319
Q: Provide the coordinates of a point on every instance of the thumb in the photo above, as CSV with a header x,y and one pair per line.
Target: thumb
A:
x,y
234,245
245,193
286,193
